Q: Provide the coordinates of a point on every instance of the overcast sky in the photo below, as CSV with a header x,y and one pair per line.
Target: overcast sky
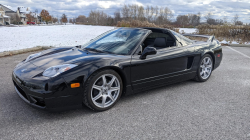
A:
x,y
73,8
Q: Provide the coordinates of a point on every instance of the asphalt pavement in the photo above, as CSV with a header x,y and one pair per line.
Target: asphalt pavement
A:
x,y
216,109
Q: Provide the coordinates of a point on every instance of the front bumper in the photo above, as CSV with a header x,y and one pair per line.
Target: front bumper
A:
x,y
29,99
56,100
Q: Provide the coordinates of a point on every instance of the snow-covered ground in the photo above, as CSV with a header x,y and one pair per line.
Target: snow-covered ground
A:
x,y
187,30
16,38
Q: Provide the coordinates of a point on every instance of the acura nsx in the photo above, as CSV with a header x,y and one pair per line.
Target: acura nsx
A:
x,y
118,62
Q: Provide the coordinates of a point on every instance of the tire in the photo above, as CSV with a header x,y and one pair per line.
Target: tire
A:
x,y
204,71
99,95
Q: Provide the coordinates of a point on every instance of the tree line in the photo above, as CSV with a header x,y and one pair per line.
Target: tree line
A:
x,y
151,14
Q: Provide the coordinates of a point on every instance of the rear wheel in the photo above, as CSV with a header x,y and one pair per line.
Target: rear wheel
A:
x,y
102,90
205,68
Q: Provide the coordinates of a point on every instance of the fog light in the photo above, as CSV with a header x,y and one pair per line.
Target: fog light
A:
x,y
75,85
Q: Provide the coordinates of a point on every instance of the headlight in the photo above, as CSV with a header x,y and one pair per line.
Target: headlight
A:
x,y
56,70
32,56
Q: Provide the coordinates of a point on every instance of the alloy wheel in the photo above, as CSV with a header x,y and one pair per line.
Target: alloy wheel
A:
x,y
105,90
206,68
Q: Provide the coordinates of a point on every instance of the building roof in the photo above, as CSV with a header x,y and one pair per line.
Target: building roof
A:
x,y
4,16
23,9
7,9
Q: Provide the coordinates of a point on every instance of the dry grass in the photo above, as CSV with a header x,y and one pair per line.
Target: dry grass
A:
x,y
137,23
240,34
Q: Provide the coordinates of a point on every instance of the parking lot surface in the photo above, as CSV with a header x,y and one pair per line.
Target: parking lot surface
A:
x,y
216,109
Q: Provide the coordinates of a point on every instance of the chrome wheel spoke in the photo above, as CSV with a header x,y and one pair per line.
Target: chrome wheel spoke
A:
x,y
97,87
104,98
206,73
201,73
209,66
97,96
110,96
207,61
104,81
112,81
114,89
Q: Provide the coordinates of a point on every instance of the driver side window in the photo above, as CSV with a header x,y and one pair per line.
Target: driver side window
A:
x,y
159,41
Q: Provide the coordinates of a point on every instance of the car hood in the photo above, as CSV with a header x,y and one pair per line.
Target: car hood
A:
x,y
69,56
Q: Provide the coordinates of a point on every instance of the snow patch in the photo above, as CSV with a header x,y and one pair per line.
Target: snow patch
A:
x,y
16,38
187,30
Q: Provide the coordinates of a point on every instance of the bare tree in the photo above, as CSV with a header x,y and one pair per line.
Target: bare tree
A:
x,y
117,16
156,13
98,18
125,12
165,16
71,20
235,19
168,15
160,18
194,19
225,20
81,19
147,13
182,20
64,19
239,23
54,19
219,22
209,18
140,13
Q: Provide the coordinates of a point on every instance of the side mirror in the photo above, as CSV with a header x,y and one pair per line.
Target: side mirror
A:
x,y
148,51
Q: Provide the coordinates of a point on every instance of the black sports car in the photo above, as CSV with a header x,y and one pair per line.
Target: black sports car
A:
x,y
120,61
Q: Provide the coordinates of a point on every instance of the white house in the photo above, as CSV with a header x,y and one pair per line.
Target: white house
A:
x,y
7,14
3,17
23,11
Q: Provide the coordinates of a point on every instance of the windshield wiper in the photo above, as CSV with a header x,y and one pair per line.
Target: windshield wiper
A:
x,y
94,50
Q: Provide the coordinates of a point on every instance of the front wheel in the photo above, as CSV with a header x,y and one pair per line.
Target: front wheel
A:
x,y
205,68
102,90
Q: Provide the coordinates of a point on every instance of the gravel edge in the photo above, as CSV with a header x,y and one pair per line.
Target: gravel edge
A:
x,y
15,52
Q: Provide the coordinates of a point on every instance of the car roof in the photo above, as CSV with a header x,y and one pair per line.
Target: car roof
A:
x,y
155,29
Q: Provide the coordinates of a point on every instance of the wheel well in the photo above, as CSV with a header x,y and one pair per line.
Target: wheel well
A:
x,y
212,55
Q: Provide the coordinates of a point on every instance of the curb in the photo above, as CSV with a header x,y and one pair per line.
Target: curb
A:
x,y
15,52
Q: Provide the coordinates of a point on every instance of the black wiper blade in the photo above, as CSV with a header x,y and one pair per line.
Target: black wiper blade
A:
x,y
95,50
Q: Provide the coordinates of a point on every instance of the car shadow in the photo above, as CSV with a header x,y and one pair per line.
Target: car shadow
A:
x,y
29,115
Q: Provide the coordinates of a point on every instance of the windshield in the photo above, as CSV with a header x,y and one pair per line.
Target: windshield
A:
x,y
118,41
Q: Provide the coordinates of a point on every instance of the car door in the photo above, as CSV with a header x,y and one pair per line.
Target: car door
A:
x,y
158,69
